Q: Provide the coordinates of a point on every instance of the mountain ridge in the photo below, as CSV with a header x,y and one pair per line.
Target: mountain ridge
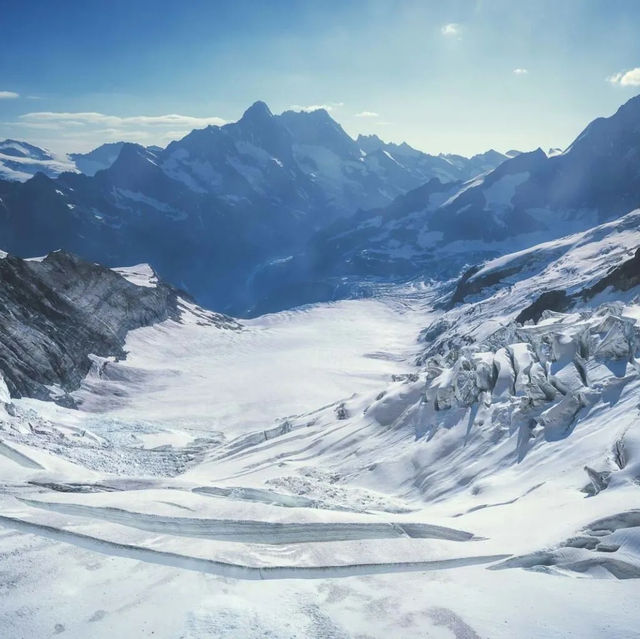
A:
x,y
281,210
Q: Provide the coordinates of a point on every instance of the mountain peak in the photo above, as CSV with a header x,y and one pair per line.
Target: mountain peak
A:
x,y
133,162
257,111
130,150
318,128
631,104
373,137
369,143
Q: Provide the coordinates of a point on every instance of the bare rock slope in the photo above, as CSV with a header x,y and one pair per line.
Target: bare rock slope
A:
x,y
56,311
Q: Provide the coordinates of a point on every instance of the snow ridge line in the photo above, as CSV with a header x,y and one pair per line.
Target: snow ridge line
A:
x,y
238,571
251,531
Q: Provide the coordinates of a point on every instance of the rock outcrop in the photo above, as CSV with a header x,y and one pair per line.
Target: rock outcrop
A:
x,y
56,311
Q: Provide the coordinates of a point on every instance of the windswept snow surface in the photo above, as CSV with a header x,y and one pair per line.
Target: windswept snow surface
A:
x,y
19,161
304,476
140,275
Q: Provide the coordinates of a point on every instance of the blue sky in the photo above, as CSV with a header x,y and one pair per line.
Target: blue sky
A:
x,y
439,74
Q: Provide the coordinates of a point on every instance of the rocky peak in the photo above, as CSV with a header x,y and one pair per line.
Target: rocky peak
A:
x,y
257,112
369,143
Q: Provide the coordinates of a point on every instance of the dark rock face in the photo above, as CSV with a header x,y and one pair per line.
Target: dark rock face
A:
x,y
103,157
557,301
55,312
621,278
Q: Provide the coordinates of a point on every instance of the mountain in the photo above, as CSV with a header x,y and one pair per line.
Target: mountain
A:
x,y
20,161
436,230
274,211
98,159
58,313
409,459
447,167
102,157
305,159
213,208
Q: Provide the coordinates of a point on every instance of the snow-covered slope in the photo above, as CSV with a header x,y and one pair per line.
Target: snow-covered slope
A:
x,y
20,161
480,481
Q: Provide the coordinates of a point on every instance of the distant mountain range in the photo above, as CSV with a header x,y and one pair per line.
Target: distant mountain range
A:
x,y
318,144
212,208
439,228
20,161
274,211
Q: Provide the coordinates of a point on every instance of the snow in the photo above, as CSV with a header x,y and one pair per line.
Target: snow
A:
x,y
231,382
393,159
140,275
196,174
300,475
470,184
152,203
586,251
27,162
5,397
500,193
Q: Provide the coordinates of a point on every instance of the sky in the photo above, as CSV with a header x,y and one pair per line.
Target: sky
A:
x,y
458,76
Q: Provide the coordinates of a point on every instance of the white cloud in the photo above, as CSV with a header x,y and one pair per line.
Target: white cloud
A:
x,y
367,114
81,131
629,78
451,29
8,95
521,71
91,118
315,107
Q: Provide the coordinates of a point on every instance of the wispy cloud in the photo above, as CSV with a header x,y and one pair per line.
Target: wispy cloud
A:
x,y
521,71
315,107
91,118
367,114
8,95
81,131
630,78
451,29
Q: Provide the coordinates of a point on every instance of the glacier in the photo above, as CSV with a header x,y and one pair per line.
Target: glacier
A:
x,y
426,459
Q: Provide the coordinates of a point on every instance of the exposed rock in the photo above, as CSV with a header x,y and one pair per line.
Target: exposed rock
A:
x,y
599,480
621,278
557,301
404,377
56,311
342,412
